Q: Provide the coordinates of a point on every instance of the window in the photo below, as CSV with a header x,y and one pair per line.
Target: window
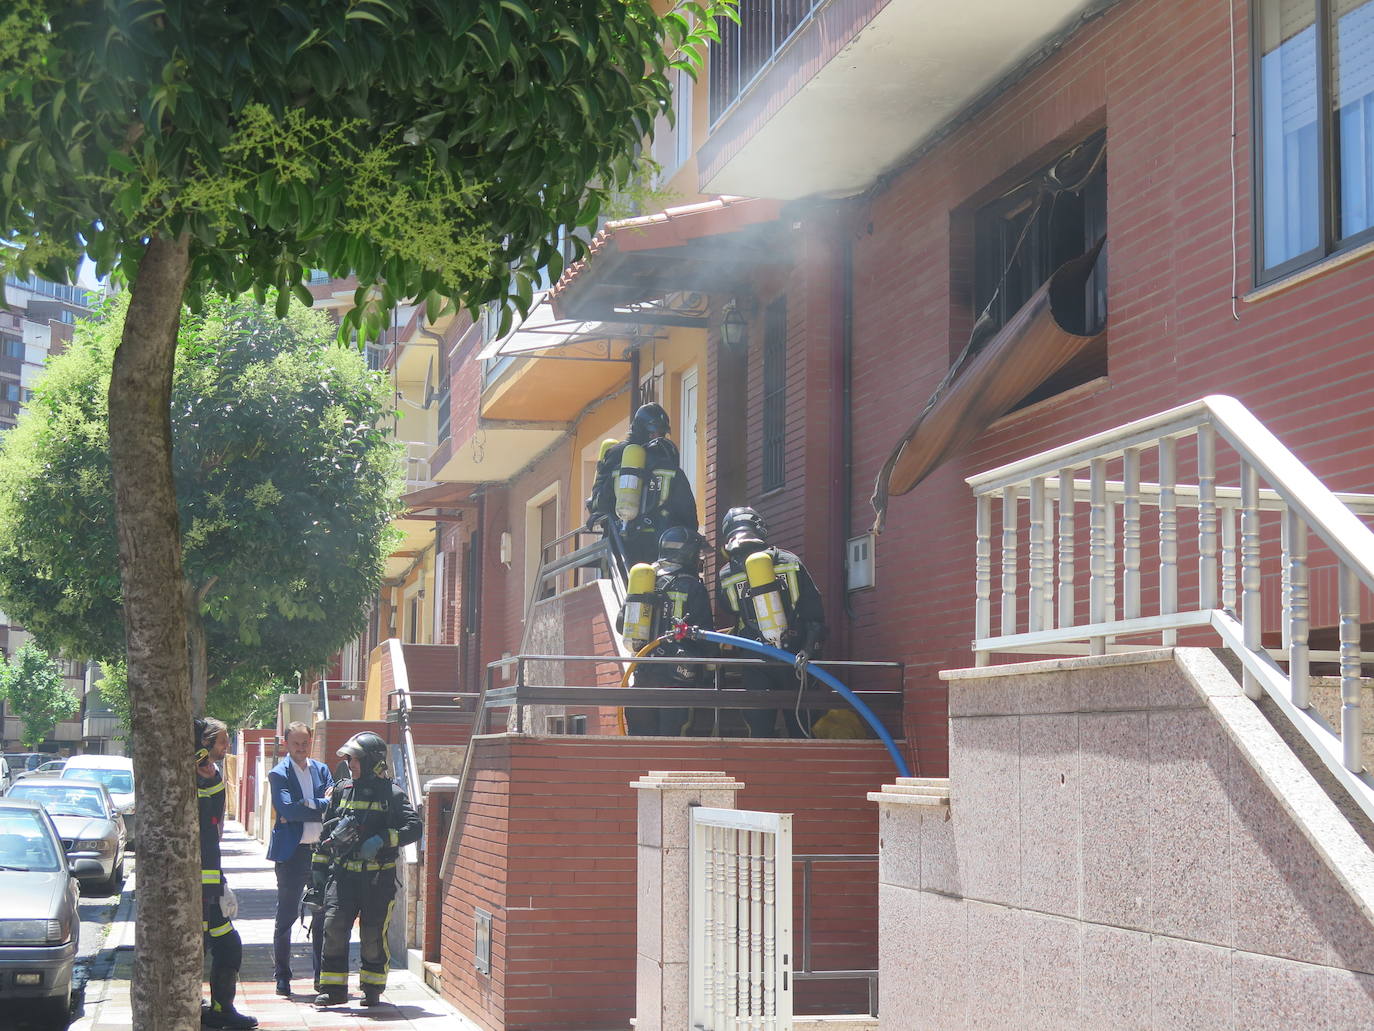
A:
x,y
673,144
10,391
541,530
12,347
1314,103
774,394
1054,215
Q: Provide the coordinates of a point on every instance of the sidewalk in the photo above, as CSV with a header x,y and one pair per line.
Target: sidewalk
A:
x,y
408,1005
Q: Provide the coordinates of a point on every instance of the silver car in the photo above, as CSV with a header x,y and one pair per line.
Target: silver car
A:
x,y
87,822
39,922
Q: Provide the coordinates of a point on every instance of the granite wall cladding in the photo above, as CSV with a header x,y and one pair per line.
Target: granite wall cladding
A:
x,y
1112,858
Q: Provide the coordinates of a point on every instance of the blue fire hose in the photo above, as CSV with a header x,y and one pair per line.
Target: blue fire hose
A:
x,y
825,678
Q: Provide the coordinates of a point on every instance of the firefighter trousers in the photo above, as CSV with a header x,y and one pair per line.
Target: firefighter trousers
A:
x,y
368,897
225,948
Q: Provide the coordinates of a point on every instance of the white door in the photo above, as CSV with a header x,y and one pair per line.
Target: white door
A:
x,y
687,430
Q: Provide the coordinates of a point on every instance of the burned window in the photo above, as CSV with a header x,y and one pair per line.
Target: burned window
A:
x,y
1051,217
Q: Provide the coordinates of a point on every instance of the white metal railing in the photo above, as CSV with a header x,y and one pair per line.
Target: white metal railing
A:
x,y
1228,565
741,921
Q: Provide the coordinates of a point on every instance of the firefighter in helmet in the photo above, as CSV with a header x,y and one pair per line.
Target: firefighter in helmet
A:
x,y
769,596
368,819
222,941
640,485
671,593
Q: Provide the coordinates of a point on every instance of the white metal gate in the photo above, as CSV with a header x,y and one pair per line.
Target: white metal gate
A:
x,y
741,914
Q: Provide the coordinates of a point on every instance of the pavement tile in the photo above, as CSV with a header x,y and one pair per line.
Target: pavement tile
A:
x,y
409,1005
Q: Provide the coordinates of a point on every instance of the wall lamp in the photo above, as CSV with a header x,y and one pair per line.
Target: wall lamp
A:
x,y
734,322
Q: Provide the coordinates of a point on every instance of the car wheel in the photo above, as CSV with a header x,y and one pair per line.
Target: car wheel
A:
x,y
111,886
58,1011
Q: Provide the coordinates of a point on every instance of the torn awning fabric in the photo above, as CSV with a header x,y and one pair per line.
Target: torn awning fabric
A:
x,y
989,379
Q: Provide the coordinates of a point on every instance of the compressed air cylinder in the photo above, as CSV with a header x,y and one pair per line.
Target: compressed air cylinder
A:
x,y
606,445
629,483
638,627
765,592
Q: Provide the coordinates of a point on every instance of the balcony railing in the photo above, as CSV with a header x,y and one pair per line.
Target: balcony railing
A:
x,y
747,48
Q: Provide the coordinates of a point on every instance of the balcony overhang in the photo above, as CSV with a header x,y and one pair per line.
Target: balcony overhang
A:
x,y
496,452
659,269
862,83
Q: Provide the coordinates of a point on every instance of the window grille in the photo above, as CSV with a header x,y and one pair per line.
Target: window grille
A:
x,y
775,394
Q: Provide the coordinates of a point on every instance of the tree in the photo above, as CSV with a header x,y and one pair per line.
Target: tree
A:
x,y
430,147
32,681
286,488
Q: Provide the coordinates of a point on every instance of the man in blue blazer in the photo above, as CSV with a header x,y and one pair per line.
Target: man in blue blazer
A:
x,y
300,789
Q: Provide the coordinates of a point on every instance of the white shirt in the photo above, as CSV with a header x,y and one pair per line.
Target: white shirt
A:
x,y
310,830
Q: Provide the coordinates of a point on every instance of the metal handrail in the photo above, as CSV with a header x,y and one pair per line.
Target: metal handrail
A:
x,y
804,971
1047,481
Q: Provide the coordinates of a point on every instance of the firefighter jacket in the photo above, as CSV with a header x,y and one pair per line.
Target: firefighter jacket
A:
x,y
679,597
801,600
668,499
210,810
372,807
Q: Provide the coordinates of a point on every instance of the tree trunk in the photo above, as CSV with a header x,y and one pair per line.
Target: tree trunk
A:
x,y
196,650
167,960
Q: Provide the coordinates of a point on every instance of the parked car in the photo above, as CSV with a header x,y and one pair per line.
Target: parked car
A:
x,y
51,767
87,821
39,922
116,772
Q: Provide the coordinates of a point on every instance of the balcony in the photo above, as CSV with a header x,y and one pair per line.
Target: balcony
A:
x,y
822,96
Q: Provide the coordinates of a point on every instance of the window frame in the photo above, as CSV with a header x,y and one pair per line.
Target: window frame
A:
x,y
1329,242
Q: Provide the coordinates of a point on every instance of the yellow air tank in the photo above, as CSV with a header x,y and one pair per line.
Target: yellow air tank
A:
x,y
638,629
629,484
766,595
606,445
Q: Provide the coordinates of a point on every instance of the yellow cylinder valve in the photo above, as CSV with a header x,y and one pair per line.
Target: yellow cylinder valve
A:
x,y
638,627
629,484
765,592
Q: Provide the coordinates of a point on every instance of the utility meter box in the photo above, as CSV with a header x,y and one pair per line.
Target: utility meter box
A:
x,y
860,562
294,708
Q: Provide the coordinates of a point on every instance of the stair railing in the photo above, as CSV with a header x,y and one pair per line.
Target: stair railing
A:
x,y
1125,599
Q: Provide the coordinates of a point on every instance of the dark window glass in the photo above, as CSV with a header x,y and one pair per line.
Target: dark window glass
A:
x,y
548,533
12,347
775,394
1314,96
1036,227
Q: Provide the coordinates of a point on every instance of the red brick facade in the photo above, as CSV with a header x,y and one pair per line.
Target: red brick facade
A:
x,y
548,850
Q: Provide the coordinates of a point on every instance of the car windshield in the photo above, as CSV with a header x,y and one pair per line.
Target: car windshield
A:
x,y
118,781
26,843
63,799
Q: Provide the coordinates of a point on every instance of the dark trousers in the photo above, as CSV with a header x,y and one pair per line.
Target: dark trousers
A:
x,y
368,898
225,949
292,878
763,722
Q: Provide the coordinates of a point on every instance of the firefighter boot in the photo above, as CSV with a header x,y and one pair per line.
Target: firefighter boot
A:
x,y
221,1013
372,995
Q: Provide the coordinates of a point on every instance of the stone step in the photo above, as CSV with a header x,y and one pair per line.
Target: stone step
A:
x,y
919,791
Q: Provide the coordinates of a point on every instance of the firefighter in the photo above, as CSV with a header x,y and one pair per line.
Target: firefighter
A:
x,y
368,819
677,596
222,941
769,596
640,486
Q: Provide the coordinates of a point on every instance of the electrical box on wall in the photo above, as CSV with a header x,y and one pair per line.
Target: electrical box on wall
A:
x,y
859,562
504,547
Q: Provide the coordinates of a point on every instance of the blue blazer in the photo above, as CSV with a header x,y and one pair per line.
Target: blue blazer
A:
x,y
290,808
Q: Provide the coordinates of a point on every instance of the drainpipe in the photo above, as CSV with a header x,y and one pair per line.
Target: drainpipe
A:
x,y
475,543
847,407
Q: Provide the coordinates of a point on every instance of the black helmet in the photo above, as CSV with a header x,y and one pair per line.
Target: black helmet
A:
x,y
370,751
679,548
649,421
742,527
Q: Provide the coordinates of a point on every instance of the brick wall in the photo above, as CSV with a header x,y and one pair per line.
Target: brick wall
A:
x,y
1156,75
548,850
330,734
